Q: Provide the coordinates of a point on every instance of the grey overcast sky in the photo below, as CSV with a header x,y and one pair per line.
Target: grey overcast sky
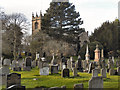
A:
x,y
92,12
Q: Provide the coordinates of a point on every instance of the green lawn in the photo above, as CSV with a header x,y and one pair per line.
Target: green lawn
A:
x,y
57,81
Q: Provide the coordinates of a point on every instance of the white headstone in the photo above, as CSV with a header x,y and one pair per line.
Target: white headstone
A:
x,y
6,62
44,71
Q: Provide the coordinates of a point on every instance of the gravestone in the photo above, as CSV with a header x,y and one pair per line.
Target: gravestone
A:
x,y
5,67
65,73
103,72
78,86
79,64
118,71
44,71
68,64
40,64
95,73
111,72
95,82
4,70
6,62
54,69
3,79
33,64
75,72
28,63
13,79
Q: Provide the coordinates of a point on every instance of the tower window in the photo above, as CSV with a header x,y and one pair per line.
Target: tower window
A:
x,y
36,25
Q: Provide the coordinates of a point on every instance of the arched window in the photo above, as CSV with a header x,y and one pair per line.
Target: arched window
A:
x,y
36,25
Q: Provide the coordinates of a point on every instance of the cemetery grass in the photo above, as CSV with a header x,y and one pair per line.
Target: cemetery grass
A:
x,y
57,81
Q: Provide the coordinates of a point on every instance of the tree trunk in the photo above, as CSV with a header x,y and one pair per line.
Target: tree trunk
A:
x,y
14,49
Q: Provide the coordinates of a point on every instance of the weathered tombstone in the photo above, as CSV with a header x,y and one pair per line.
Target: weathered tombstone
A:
x,y
118,71
44,71
3,79
95,82
68,64
6,62
95,73
103,72
33,64
111,72
40,64
54,69
13,79
28,63
4,70
65,73
78,86
75,72
79,64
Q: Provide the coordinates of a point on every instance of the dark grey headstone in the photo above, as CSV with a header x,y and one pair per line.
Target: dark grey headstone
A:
x,y
13,79
28,61
65,73
54,69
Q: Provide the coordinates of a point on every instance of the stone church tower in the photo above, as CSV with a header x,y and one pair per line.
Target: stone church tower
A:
x,y
36,23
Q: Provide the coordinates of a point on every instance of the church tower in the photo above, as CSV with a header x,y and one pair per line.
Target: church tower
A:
x,y
36,23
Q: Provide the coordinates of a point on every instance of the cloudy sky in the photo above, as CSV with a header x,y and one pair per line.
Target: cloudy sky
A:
x,y
92,12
